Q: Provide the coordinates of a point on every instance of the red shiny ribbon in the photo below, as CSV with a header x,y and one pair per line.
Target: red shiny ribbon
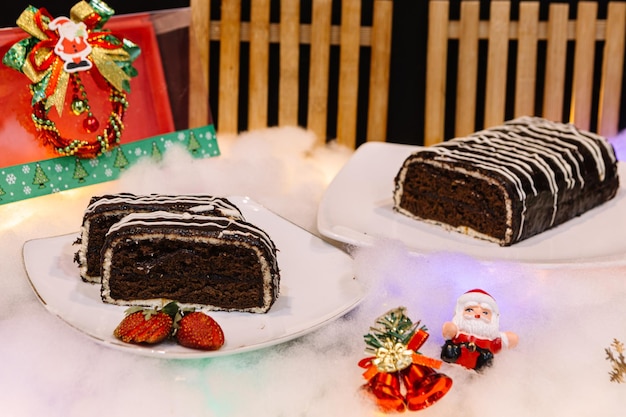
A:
x,y
43,44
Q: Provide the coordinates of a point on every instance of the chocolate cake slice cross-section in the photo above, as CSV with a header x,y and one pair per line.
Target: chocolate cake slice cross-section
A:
x,y
103,211
208,262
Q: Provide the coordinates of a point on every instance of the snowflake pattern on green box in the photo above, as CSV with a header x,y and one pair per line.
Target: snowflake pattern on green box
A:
x,y
19,182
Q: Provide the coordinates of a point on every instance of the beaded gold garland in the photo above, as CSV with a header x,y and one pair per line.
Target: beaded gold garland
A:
x,y
109,137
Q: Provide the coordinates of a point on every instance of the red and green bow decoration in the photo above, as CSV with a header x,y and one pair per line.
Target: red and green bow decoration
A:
x,y
398,376
53,57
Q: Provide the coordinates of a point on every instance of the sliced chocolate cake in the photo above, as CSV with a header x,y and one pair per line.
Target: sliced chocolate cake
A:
x,y
209,262
510,182
103,211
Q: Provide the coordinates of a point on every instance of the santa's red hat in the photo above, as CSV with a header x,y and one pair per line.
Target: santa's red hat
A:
x,y
477,296
58,22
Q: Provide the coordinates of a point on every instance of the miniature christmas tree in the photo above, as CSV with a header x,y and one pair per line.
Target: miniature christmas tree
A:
x,y
40,178
80,173
391,329
193,144
156,153
2,192
121,161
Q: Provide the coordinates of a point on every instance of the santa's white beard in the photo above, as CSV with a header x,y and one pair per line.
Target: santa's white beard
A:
x,y
478,327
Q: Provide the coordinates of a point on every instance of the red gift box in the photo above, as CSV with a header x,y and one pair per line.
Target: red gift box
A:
x,y
148,114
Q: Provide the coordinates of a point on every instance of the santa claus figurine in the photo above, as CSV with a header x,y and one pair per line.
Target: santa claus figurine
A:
x,y
473,336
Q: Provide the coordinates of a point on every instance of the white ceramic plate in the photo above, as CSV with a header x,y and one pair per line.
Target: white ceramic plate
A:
x,y
357,209
317,286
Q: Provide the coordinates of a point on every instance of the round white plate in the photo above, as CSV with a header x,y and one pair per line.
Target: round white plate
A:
x,y
317,286
356,209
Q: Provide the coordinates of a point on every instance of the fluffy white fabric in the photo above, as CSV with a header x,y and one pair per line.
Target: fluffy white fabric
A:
x,y
565,317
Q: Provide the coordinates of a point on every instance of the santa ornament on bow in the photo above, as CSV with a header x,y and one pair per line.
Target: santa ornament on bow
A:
x,y
72,46
473,336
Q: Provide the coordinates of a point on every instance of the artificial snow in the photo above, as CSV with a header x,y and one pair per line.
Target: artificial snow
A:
x,y
565,317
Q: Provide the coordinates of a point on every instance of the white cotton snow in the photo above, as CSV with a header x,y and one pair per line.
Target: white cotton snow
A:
x,y
565,318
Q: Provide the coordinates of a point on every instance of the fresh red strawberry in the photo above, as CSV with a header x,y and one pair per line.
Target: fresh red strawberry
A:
x,y
145,326
197,330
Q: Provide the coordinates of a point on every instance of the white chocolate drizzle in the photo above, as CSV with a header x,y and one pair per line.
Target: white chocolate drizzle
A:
x,y
166,218
201,202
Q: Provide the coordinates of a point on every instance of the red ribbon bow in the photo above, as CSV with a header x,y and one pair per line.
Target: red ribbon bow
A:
x,y
414,387
43,58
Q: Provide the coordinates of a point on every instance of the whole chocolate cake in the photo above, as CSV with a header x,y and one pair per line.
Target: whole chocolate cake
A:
x,y
103,211
510,182
210,262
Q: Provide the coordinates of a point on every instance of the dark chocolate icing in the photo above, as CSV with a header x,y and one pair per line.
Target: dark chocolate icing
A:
x,y
548,173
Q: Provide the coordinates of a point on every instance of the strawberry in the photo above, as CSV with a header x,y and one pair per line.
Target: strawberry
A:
x,y
197,330
146,325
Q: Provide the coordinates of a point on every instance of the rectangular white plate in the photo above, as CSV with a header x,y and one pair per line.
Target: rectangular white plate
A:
x,y
357,209
317,286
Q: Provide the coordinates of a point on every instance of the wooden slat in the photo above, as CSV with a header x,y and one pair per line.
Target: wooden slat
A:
x,y
348,73
497,58
199,63
436,72
556,54
288,87
378,103
227,120
584,53
305,32
319,67
467,69
612,70
259,64
542,28
526,69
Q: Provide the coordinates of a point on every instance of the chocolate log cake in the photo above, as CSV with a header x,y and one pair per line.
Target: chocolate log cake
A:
x,y
510,182
103,211
209,262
